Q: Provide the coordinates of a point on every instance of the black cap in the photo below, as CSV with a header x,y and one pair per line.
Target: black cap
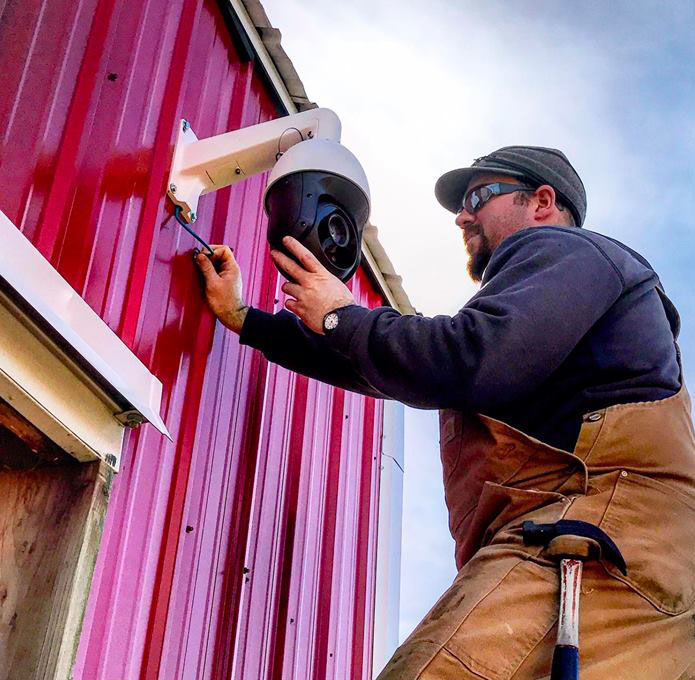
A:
x,y
537,164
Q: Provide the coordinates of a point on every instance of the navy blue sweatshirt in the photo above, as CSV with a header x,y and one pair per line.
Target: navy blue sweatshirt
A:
x,y
567,321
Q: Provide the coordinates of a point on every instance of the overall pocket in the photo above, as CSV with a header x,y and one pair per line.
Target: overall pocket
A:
x,y
498,515
508,623
653,525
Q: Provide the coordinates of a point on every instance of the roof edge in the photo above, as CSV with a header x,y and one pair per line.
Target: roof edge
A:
x,y
382,269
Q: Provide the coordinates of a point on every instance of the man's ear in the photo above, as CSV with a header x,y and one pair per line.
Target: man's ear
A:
x,y
545,202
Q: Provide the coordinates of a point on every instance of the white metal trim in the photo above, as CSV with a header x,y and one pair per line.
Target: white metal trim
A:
x,y
50,391
33,278
388,563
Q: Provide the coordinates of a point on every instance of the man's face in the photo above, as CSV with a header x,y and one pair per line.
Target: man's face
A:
x,y
484,230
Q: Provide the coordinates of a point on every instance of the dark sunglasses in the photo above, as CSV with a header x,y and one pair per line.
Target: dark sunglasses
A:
x,y
475,199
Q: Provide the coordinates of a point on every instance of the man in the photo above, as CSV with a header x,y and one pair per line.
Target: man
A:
x,y
560,394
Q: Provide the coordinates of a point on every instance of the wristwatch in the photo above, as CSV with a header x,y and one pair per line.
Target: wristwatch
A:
x,y
330,322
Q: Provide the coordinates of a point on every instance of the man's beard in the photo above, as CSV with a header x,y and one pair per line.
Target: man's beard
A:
x,y
480,259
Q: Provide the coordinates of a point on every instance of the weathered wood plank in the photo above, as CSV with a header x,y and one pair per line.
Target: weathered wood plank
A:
x,y
50,524
78,592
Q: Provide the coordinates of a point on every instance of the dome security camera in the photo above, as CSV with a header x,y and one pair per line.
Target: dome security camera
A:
x,y
317,190
318,193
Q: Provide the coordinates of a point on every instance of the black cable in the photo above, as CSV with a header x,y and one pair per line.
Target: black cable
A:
x,y
297,130
190,231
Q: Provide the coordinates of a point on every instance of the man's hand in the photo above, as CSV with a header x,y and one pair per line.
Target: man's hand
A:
x,y
223,287
316,290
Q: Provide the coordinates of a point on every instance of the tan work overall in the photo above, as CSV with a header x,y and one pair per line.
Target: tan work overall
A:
x,y
633,474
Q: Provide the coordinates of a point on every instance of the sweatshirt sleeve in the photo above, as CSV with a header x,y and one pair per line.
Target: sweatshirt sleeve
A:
x,y
544,289
288,342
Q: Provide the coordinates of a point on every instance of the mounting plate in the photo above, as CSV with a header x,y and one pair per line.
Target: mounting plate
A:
x,y
184,188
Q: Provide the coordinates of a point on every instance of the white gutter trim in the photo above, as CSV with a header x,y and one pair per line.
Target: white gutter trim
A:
x,y
58,305
388,561
43,384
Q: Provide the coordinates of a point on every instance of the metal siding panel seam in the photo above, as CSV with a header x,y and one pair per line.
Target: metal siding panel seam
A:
x,y
364,585
292,500
322,652
153,206
73,143
305,574
259,596
41,45
343,605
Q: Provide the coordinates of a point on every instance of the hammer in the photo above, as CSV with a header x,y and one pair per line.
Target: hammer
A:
x,y
571,542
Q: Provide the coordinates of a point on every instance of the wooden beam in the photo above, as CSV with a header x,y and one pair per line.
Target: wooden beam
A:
x,y
24,446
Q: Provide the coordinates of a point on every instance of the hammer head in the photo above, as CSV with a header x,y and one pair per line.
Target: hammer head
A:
x,y
543,534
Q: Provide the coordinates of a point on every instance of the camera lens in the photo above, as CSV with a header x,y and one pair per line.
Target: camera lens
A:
x,y
338,230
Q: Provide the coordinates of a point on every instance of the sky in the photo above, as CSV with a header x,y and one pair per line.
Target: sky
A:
x,y
422,88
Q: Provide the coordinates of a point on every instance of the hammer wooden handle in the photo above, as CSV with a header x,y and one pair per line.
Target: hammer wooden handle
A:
x,y
566,654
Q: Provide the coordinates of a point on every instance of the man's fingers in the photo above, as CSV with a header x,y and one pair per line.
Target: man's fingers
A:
x,y
222,256
203,261
291,289
288,265
305,256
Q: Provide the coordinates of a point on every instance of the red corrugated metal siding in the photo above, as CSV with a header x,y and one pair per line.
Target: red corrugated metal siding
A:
x,y
245,548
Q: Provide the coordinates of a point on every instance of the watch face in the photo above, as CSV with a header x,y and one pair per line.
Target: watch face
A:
x,y
331,321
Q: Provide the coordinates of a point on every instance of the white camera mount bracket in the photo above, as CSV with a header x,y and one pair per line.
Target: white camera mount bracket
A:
x,y
201,166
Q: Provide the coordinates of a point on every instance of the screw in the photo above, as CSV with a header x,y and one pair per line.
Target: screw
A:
x,y
310,134
172,188
237,171
194,217
185,125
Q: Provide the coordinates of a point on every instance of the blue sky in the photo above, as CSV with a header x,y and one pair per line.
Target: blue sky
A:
x,y
424,88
